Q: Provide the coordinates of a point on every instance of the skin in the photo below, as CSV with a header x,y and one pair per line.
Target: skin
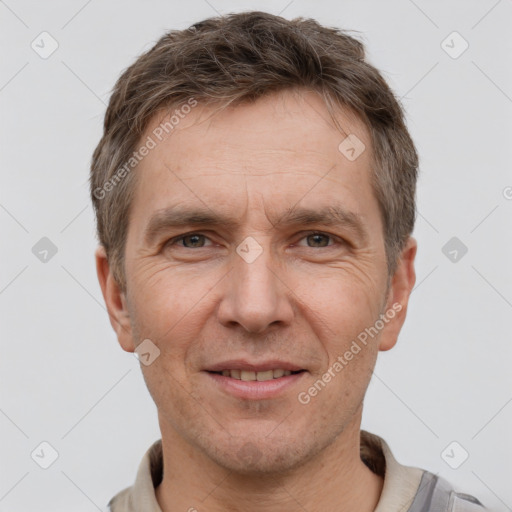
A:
x,y
303,300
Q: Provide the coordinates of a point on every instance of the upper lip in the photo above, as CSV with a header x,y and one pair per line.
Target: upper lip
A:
x,y
263,366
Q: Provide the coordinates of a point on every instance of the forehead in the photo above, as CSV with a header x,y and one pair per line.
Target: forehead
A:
x,y
294,123
271,154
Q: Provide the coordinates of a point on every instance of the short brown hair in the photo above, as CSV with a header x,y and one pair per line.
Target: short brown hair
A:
x,y
241,57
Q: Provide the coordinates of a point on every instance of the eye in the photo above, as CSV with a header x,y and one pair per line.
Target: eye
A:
x,y
189,241
317,239
198,240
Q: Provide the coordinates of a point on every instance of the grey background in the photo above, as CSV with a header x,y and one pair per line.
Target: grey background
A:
x,y
65,380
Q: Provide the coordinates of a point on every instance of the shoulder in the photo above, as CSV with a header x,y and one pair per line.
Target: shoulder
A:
x,y
141,495
437,494
411,489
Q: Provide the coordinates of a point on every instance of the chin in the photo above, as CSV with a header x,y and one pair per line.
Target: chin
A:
x,y
252,456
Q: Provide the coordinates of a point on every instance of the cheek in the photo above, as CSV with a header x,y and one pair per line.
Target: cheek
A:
x,y
169,303
339,309
339,389
343,300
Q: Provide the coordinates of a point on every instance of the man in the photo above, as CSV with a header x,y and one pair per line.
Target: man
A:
x,y
255,197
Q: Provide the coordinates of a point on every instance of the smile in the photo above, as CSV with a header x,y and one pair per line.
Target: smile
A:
x,y
255,385
248,375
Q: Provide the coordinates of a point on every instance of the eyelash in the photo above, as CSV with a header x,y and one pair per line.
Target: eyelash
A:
x,y
174,240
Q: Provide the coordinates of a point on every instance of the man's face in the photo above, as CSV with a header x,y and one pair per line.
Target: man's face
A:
x,y
260,290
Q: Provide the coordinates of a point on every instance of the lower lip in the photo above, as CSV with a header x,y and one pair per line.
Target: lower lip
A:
x,y
253,389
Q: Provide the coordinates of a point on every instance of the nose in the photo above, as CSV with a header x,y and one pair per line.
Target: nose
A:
x,y
256,295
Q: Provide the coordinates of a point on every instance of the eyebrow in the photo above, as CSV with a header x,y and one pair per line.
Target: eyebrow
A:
x,y
181,217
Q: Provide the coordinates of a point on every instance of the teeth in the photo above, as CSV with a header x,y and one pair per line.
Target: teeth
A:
x,y
268,375
249,375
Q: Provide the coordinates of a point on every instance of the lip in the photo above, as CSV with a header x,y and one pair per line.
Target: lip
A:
x,y
241,364
255,390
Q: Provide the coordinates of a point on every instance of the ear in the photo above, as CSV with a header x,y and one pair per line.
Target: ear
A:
x,y
115,301
400,289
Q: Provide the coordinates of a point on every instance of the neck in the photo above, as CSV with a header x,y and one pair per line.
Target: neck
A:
x,y
194,482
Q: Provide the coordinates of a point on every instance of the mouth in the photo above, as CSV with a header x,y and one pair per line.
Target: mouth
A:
x,y
260,376
249,381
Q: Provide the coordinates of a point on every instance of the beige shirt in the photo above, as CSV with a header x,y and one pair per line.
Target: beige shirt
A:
x,y
400,482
